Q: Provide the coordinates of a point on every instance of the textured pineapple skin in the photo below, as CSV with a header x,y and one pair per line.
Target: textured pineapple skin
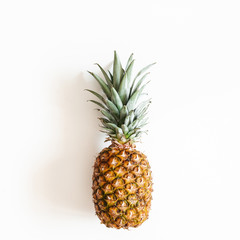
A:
x,y
122,187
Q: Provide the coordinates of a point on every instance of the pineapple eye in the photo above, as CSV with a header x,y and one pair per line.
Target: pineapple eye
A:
x,y
97,208
128,164
122,205
101,180
102,205
95,185
140,181
131,214
141,192
120,221
135,157
120,171
141,216
121,193
148,195
104,156
96,172
132,199
114,161
142,203
99,193
148,185
111,199
105,216
137,171
98,160
148,205
118,183
129,177
131,188
123,154
144,164
103,167
147,174
107,188
110,175
114,211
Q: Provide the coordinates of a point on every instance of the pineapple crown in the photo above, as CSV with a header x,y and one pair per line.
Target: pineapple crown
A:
x,y
123,115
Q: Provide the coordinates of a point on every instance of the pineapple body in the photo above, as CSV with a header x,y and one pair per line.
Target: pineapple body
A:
x,y
122,186
122,182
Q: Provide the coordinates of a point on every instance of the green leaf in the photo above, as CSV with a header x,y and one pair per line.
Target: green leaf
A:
x,y
111,76
105,120
143,116
135,88
123,89
143,112
123,113
124,128
108,133
133,99
124,85
119,130
132,132
113,135
109,82
144,70
139,134
106,130
117,71
96,94
129,73
112,107
103,85
141,106
127,120
112,126
142,122
133,124
133,136
131,116
142,87
108,115
139,73
116,99
120,134
129,60
143,125
98,103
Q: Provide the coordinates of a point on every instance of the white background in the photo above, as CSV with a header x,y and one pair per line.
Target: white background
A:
x,y
49,133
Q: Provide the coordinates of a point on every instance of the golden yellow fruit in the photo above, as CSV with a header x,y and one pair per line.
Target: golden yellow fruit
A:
x,y
122,186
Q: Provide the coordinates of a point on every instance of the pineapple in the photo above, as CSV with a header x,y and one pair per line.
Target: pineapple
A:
x,y
122,182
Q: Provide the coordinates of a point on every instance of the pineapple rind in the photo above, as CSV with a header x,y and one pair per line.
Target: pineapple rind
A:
x,y
122,187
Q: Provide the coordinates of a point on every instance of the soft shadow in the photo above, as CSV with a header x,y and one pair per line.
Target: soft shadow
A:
x,y
64,183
